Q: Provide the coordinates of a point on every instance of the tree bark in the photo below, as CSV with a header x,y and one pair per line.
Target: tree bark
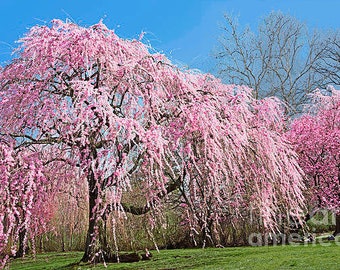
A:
x,y
337,224
23,247
93,196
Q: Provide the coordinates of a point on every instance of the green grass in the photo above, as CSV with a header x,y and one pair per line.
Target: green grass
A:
x,y
312,256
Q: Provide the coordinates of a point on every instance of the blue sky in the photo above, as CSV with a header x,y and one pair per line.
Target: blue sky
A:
x,y
185,30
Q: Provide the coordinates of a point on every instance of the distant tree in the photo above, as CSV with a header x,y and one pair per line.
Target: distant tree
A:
x,y
119,116
316,138
328,65
282,58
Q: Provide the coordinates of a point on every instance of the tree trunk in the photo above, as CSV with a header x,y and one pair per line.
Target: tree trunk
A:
x,y
337,224
63,241
23,247
93,196
41,243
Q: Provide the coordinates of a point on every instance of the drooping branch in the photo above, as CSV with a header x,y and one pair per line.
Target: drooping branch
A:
x,y
29,140
141,210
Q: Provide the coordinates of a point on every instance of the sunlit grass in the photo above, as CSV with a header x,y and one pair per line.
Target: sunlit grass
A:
x,y
311,256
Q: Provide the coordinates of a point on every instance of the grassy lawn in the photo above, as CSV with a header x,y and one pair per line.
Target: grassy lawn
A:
x,y
312,256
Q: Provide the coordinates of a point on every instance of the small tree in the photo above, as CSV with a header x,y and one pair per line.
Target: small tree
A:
x,y
316,138
120,116
280,59
24,194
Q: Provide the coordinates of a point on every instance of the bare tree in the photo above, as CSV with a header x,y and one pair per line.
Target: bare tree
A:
x,y
329,63
280,59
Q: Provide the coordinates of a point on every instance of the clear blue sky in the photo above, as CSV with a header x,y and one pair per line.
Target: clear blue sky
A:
x,y
185,30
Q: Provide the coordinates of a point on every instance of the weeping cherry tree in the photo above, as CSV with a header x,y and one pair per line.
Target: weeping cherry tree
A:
x,y
112,111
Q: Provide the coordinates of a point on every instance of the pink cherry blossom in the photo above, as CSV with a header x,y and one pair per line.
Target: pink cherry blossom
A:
x,y
316,138
115,113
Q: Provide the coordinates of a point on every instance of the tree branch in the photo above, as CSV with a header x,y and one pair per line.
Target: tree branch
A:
x,y
141,210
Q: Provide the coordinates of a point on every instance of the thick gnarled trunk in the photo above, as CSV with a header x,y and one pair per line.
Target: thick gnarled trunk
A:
x,y
93,196
96,246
